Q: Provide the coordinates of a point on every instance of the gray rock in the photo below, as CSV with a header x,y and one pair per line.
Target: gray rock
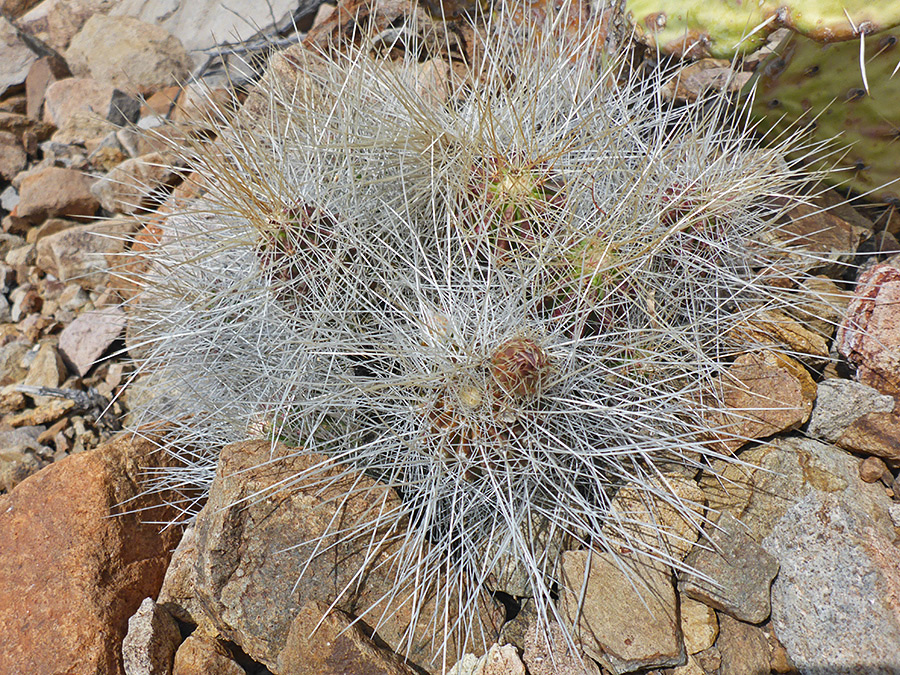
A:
x,y
628,619
730,572
835,605
839,403
202,24
15,55
85,340
152,639
9,198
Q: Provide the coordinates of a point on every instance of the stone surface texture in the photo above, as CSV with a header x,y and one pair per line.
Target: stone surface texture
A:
x,y
836,602
731,573
15,55
869,337
244,557
629,617
150,644
839,403
130,54
71,575
85,340
55,191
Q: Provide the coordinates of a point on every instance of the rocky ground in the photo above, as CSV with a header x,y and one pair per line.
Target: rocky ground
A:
x,y
806,575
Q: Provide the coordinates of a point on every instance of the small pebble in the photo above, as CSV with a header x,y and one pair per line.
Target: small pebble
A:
x,y
871,469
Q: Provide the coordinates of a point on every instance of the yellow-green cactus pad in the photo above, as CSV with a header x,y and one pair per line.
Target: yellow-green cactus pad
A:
x,y
824,85
723,28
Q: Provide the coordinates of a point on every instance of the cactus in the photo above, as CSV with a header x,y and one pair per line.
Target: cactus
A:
x,y
824,86
722,28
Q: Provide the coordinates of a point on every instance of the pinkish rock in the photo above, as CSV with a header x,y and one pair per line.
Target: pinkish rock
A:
x,y
85,340
71,575
870,335
57,21
56,192
43,72
135,56
12,156
85,96
81,253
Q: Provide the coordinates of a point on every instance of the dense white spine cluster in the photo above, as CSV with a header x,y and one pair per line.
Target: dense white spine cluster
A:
x,y
505,295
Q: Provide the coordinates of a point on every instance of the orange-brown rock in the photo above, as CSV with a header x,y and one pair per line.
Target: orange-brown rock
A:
x,y
875,433
764,393
56,192
71,575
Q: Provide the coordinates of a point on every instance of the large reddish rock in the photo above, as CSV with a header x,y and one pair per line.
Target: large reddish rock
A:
x,y
870,335
56,192
71,575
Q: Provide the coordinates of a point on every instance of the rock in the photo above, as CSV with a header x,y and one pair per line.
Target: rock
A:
x,y
779,474
21,454
11,367
57,21
71,575
12,156
775,328
323,642
732,574
16,466
128,186
15,8
499,661
82,95
876,433
47,412
545,654
56,192
47,369
628,619
27,302
698,625
839,403
80,254
744,649
873,469
130,54
43,72
202,655
86,339
251,539
821,305
150,644
666,527
764,394
200,25
15,55
835,601
870,335
824,233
